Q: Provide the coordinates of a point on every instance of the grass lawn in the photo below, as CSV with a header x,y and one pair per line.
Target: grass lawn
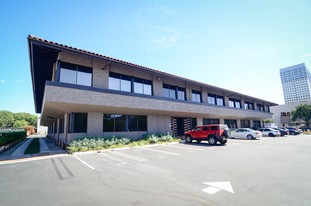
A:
x,y
33,147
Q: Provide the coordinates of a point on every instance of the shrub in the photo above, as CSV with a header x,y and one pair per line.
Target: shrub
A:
x,y
100,143
11,136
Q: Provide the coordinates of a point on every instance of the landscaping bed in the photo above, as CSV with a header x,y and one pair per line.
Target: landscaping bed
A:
x,y
100,143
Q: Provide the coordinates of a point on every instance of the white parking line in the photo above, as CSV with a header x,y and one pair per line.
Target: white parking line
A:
x,y
128,156
165,152
187,148
120,162
84,162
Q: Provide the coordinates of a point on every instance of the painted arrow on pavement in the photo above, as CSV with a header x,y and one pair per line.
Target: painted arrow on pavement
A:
x,y
217,186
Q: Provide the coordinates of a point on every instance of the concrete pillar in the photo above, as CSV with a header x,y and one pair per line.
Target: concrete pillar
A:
x,y
66,126
199,121
95,124
157,86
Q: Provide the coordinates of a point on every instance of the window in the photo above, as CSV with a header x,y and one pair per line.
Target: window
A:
x,y
142,86
196,96
256,124
61,125
231,103
122,123
260,107
207,121
215,99
235,103
249,105
75,74
120,82
220,101
181,93
245,123
211,99
174,92
231,123
77,123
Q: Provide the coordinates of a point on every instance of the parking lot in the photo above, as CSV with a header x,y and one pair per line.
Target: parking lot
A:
x,y
269,171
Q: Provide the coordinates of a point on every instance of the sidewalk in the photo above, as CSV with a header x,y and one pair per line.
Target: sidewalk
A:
x,y
47,147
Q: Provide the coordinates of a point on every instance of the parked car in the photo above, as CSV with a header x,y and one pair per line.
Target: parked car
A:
x,y
293,130
269,132
246,133
283,132
212,133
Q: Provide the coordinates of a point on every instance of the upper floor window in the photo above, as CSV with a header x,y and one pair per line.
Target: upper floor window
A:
x,y
211,99
260,107
196,96
120,82
174,92
215,99
249,105
127,83
234,103
75,74
142,86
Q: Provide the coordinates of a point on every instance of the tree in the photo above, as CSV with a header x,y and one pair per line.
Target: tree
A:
x,y
6,119
303,113
30,118
20,123
268,121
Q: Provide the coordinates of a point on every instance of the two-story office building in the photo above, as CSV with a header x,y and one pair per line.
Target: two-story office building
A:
x,y
81,93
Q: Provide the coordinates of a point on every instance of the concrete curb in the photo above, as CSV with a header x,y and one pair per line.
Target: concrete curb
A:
x,y
121,148
19,152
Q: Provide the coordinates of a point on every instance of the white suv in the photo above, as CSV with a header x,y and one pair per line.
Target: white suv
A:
x,y
269,132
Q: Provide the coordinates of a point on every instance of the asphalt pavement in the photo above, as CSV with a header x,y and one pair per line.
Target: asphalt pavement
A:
x,y
269,171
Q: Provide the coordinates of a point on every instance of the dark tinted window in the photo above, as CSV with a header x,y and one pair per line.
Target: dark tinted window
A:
x,y
80,122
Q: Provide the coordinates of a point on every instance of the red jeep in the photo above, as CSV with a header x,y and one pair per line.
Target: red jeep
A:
x,y
213,133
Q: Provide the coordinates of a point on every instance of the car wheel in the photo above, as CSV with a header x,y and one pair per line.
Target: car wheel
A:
x,y
223,142
271,135
188,139
198,141
249,136
212,140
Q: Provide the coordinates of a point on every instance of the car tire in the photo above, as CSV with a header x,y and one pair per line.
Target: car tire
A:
x,y
188,139
212,140
249,136
271,135
223,142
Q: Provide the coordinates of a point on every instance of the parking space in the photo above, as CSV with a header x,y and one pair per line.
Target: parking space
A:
x,y
269,171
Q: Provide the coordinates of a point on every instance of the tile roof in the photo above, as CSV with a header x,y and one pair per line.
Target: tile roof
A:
x,y
63,46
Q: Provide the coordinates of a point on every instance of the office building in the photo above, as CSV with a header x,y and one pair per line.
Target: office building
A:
x,y
81,93
296,83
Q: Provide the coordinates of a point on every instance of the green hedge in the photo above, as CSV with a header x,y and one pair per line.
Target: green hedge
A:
x,y
11,136
99,143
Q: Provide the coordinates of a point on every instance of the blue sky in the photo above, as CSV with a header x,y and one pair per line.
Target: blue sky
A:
x,y
238,45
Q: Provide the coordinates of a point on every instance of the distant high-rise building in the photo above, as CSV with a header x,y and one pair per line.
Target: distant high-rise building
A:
x,y
296,81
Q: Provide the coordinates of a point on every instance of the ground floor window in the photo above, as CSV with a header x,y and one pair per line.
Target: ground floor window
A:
x,y
207,121
78,122
123,123
245,124
256,124
231,123
61,125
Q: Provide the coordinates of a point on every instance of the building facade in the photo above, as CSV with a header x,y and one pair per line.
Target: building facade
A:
x,y
282,114
81,93
296,81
